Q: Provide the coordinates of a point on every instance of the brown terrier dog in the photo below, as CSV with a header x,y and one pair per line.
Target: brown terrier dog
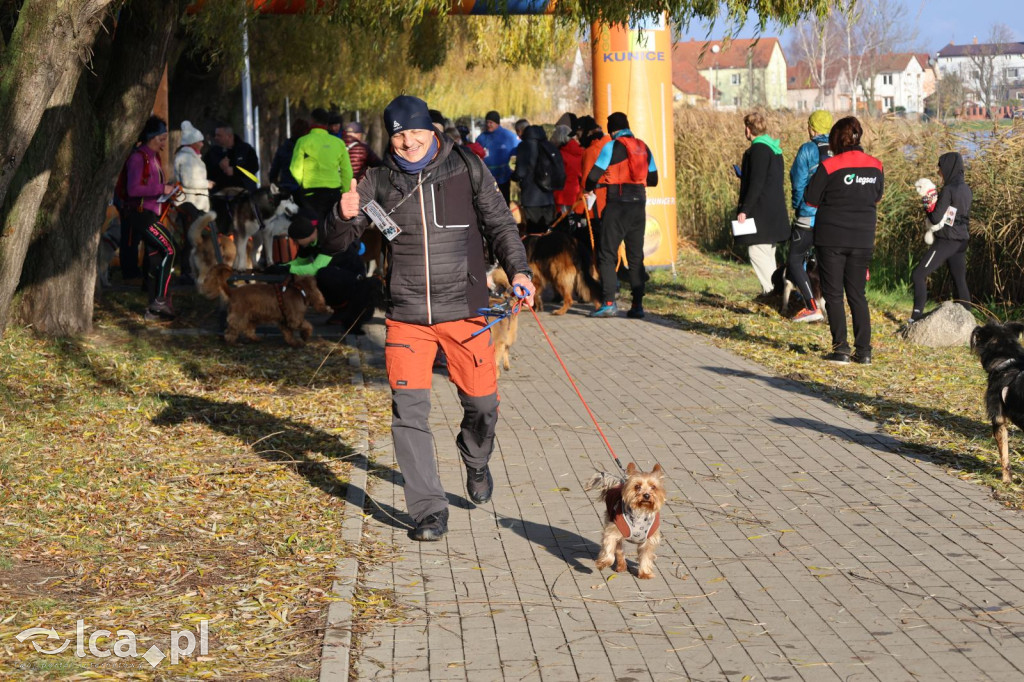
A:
x,y
633,513
254,304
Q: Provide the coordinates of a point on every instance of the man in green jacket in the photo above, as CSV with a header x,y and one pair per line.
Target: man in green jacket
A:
x,y
321,166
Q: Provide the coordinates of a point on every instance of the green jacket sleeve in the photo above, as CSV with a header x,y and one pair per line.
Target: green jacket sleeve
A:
x,y
345,169
306,267
295,167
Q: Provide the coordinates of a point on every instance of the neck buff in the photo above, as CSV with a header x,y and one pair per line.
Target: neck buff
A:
x,y
416,167
769,142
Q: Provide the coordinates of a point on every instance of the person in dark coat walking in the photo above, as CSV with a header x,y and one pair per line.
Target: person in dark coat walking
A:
x,y
951,234
846,190
762,198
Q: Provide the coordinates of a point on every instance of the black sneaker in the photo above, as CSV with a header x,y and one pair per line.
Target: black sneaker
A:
x,y
431,527
479,484
838,358
636,313
862,358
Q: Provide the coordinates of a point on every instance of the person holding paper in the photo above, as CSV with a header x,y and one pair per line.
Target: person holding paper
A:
x,y
949,219
846,190
438,202
762,198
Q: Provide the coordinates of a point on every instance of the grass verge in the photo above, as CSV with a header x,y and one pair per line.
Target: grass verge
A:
x,y
931,399
151,481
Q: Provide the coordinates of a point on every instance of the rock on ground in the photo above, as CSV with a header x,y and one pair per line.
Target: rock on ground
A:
x,y
948,325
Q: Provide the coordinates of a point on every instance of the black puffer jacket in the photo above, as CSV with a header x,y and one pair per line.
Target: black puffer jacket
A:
x,y
526,164
437,270
955,193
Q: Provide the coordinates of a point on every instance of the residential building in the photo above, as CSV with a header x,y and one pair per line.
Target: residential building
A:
x,y
689,88
901,82
966,61
803,94
743,73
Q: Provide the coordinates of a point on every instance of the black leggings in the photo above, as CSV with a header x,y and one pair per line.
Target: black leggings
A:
x,y
160,254
942,251
800,243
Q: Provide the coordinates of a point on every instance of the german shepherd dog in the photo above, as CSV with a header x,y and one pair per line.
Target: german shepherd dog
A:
x,y
998,347
554,259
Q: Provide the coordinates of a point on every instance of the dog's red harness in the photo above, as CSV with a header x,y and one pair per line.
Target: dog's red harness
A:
x,y
632,527
288,284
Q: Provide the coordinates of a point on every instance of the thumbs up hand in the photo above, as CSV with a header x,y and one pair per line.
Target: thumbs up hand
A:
x,y
349,204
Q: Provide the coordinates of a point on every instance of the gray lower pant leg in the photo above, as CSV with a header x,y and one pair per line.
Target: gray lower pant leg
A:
x,y
414,451
476,439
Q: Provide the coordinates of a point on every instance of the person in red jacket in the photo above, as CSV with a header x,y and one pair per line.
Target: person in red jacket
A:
x,y
572,159
359,153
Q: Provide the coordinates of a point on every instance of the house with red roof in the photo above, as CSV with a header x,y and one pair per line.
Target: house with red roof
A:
x,y
740,73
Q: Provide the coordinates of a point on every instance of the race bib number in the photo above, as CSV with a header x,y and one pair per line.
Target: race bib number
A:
x,y
950,216
379,217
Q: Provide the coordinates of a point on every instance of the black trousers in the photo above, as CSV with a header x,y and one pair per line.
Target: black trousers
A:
x,y
800,242
846,270
320,200
622,222
942,251
348,292
160,256
506,188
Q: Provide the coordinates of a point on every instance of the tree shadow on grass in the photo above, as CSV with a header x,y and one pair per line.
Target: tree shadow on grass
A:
x,y
291,442
964,426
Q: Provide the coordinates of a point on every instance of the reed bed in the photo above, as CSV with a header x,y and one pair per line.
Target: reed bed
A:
x,y
708,143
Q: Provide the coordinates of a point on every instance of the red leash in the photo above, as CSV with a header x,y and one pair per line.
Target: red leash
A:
x,y
576,388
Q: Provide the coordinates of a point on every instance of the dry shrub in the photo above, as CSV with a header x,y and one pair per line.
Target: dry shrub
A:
x,y
708,143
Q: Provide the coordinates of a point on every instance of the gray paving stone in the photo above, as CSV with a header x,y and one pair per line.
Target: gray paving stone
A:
x,y
799,544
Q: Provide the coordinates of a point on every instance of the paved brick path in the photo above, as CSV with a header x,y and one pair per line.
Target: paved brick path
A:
x,y
799,544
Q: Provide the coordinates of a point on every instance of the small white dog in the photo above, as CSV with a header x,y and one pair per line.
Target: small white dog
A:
x,y
277,225
929,195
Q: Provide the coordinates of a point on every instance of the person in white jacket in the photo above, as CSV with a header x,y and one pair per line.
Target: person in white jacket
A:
x,y
190,170
194,200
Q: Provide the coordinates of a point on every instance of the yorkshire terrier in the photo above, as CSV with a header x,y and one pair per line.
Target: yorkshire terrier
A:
x,y
633,513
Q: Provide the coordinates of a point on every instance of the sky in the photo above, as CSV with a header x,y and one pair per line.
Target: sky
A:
x,y
938,22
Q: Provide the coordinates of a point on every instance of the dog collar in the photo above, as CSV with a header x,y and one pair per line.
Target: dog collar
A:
x,y
1005,364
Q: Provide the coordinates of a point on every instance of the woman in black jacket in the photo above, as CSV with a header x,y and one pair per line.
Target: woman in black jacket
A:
x,y
951,234
762,198
846,190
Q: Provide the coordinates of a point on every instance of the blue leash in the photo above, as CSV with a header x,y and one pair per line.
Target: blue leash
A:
x,y
501,310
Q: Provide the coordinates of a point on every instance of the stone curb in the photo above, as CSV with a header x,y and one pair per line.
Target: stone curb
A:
x,y
337,646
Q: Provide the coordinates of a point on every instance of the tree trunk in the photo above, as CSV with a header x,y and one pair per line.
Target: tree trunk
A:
x,y
50,39
107,112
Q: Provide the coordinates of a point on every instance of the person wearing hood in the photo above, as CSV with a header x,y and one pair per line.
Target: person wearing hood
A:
x,y
444,203
762,198
572,159
625,168
801,239
846,190
950,235
537,204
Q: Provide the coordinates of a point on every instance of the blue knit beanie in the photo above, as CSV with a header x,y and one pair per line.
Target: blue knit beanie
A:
x,y
406,113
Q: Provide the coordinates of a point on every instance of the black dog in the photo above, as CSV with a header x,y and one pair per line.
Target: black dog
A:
x,y
1002,356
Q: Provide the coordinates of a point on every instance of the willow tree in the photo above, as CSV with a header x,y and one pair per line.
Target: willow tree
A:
x,y
69,149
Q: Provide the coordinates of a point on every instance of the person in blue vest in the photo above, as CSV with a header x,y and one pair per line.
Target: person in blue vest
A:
x,y
499,144
811,153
